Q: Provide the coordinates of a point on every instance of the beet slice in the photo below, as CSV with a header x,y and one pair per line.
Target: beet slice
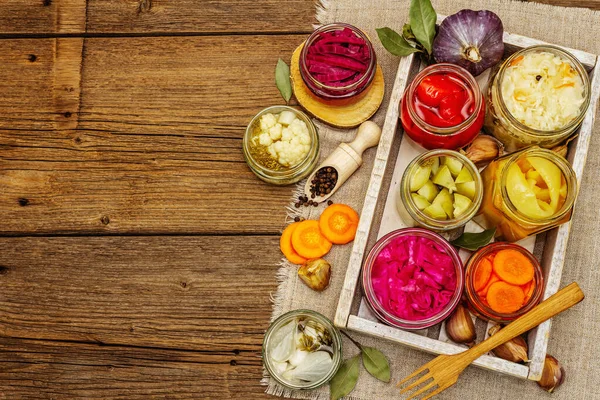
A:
x,y
338,61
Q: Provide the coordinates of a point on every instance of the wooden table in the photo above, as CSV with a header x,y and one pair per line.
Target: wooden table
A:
x,y
136,252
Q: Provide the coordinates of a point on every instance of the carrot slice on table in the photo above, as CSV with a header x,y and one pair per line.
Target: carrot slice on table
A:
x,y
493,279
528,290
338,223
505,298
308,241
285,244
482,274
513,267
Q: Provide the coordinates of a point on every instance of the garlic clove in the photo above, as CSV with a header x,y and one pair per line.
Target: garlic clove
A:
x,y
553,374
460,327
316,274
484,149
514,350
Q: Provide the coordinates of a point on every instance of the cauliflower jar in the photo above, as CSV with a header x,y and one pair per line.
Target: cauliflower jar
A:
x,y
281,145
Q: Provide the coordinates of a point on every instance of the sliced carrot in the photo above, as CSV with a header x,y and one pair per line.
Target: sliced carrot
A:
x,y
285,244
528,290
338,223
505,298
493,279
516,61
308,241
482,274
513,267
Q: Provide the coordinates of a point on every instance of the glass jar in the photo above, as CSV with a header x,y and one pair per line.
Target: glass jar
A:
x,y
410,213
431,136
309,315
328,92
497,209
514,134
480,308
283,175
371,296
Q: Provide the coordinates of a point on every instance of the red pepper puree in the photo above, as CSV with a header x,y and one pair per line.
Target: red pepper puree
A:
x,y
443,100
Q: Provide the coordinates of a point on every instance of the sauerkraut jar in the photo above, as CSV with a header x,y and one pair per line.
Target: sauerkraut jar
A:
x,y
538,97
527,192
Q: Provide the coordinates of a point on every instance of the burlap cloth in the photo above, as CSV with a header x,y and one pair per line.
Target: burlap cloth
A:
x,y
575,335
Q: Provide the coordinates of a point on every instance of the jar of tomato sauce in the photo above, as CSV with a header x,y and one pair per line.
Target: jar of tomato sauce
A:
x,y
443,107
527,192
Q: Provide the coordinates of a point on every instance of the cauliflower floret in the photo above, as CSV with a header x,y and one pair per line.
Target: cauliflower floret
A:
x,y
305,139
264,139
267,121
286,134
275,131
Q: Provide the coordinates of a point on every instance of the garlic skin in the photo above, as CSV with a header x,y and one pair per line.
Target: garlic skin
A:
x,y
562,149
514,350
553,374
316,274
460,327
484,149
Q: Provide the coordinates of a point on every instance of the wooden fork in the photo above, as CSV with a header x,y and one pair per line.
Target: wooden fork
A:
x,y
443,371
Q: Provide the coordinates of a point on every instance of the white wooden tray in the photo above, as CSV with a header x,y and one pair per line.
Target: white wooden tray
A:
x,y
379,216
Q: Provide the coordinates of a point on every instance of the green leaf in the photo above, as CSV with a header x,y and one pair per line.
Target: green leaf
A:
x,y
407,33
473,241
422,21
376,363
282,80
394,43
345,379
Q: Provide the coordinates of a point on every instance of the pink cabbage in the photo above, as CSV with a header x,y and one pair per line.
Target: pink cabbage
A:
x,y
413,278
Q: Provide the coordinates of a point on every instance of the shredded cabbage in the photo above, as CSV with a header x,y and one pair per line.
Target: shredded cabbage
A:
x,y
413,278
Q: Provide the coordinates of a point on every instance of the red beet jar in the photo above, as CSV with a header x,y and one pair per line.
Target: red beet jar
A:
x,y
443,107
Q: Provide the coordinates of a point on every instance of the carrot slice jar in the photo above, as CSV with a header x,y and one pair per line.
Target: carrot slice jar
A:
x,y
308,241
502,282
338,223
285,244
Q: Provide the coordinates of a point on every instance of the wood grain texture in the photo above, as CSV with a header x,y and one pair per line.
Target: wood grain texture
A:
x,y
156,144
155,16
32,369
193,293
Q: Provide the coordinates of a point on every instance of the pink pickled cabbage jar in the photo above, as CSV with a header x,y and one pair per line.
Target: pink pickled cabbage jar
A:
x,y
413,278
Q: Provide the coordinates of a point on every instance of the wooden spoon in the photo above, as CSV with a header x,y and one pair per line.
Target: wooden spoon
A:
x,y
346,158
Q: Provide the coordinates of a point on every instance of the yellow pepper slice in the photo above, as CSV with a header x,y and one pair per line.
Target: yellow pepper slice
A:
x,y
551,175
522,195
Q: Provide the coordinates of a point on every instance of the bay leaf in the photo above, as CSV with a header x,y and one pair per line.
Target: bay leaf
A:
x,y
282,80
344,381
394,43
407,33
473,241
376,363
422,18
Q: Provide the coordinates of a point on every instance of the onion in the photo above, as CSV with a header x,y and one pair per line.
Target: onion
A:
x,y
471,39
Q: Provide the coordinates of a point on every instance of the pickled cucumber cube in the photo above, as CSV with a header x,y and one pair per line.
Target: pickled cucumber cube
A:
x,y
420,201
435,166
436,211
466,189
420,177
464,176
454,164
428,191
444,178
461,204
444,199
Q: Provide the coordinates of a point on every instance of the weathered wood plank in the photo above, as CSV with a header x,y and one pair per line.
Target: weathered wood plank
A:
x,y
193,293
32,369
158,141
155,16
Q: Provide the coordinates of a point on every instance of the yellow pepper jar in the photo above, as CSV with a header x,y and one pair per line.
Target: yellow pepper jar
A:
x,y
527,192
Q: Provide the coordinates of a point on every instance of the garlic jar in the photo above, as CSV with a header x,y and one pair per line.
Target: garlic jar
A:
x,y
527,192
538,97
302,350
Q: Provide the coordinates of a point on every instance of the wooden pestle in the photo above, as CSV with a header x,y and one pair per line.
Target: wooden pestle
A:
x,y
347,157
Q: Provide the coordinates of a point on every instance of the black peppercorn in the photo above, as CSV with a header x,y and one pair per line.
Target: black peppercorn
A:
x,y
538,77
